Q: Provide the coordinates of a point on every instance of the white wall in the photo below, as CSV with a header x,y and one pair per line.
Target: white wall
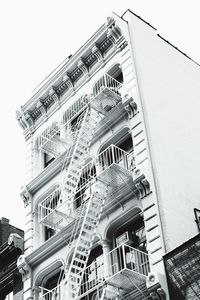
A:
x,y
170,94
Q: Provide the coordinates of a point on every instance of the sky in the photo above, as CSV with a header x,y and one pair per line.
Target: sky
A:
x,y
37,35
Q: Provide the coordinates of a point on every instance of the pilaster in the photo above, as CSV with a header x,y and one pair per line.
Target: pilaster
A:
x,y
28,234
29,158
26,271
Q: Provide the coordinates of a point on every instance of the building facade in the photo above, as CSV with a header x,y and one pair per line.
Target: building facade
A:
x,y
11,247
110,181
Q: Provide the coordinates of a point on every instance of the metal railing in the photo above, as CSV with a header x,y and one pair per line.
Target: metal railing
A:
x,y
120,258
113,155
93,276
104,267
45,139
48,139
89,174
54,294
48,205
106,81
126,257
52,205
75,109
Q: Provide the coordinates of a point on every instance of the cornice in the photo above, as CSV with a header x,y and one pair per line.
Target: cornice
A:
x,y
66,78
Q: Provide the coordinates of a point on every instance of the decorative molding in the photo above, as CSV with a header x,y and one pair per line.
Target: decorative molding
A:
x,y
82,66
21,119
76,74
114,32
131,109
25,195
122,46
143,188
158,294
42,108
96,51
93,52
53,96
16,240
23,267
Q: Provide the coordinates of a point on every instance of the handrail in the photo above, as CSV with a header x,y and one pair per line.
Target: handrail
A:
x,y
89,173
106,81
120,258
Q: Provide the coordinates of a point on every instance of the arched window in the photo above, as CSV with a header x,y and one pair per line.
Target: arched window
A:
x,y
116,73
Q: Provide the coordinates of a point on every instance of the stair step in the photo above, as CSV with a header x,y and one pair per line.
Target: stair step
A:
x,y
76,268
78,260
87,223
88,231
87,239
85,244
81,253
76,276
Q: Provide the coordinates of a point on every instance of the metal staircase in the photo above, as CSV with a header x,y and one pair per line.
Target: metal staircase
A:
x,y
113,168
78,154
83,245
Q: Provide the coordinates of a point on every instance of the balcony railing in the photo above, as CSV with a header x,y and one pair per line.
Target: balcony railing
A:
x,y
110,269
105,95
47,141
126,257
54,294
106,82
48,205
113,165
75,109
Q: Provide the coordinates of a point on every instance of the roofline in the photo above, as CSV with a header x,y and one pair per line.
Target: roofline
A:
x,y
176,48
175,250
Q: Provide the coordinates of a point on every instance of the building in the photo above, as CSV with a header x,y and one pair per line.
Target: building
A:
x,y
112,167
182,265
11,247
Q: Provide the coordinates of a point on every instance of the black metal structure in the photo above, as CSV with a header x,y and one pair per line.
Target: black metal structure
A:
x,y
11,247
182,269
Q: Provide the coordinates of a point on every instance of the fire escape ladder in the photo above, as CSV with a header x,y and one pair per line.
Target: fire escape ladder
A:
x,y
85,239
77,155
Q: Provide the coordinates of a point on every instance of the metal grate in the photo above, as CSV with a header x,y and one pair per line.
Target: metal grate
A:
x,y
181,268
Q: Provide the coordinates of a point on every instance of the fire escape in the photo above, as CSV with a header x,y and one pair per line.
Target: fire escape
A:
x,y
88,185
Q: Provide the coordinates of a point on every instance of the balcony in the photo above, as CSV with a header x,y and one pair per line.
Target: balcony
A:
x,y
113,166
58,136
123,269
106,94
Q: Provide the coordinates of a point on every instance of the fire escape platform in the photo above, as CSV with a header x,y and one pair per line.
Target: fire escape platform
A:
x,y
115,175
106,100
126,279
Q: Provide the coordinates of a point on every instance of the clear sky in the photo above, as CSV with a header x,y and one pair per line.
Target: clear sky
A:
x,y
37,35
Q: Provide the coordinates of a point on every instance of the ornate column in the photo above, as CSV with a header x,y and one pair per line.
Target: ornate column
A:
x,y
106,249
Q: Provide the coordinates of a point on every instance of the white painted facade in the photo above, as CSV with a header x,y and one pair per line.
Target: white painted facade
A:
x,y
153,117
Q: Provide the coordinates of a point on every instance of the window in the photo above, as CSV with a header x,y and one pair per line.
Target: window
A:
x,y
48,233
84,188
116,73
135,234
48,159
